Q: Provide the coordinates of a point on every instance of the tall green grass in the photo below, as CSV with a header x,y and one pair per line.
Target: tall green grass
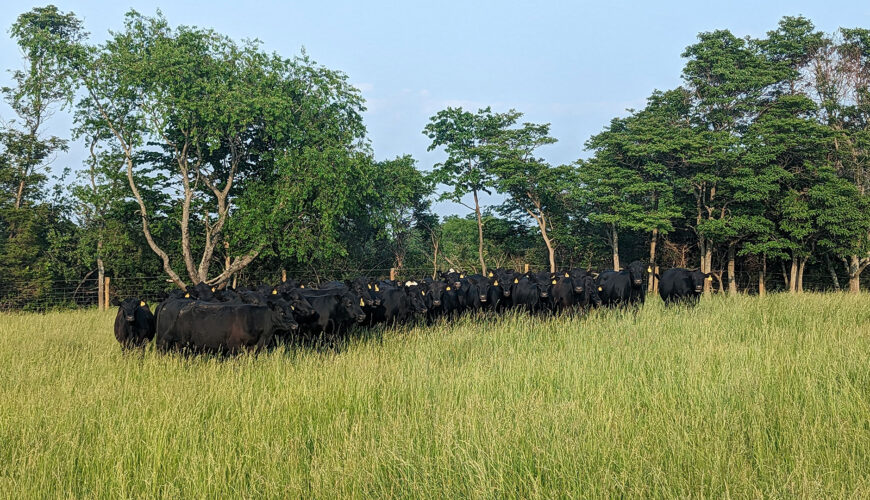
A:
x,y
740,397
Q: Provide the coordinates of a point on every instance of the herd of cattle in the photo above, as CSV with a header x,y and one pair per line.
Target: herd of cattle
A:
x,y
203,319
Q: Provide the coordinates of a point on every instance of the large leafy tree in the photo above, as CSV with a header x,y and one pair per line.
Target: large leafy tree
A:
x,y
215,124
534,187
472,142
727,78
632,175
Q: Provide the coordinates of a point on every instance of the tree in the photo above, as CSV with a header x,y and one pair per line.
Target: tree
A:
x,y
727,78
198,115
532,185
840,82
633,173
471,143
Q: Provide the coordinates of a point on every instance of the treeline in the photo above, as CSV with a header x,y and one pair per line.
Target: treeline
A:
x,y
212,160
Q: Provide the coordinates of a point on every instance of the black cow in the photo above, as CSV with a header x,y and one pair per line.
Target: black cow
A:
x,y
134,324
529,295
682,285
624,287
336,311
498,295
220,327
476,290
565,292
395,307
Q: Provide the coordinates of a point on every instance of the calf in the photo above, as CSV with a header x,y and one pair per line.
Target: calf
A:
x,y
682,285
623,287
134,323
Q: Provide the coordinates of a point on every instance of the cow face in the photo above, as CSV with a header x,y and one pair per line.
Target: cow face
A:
x,y
129,307
435,293
698,278
300,307
635,271
351,304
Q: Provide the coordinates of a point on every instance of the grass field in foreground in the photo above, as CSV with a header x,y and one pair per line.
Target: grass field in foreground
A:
x,y
740,397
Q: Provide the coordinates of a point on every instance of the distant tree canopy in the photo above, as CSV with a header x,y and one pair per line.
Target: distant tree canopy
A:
x,y
212,160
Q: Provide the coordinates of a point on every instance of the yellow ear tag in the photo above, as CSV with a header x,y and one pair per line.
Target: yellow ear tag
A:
x,y
490,274
516,280
553,282
649,269
448,288
567,275
212,289
370,286
142,303
600,289
377,289
461,275
301,286
423,292
186,295
292,308
274,292
496,283
709,278
361,303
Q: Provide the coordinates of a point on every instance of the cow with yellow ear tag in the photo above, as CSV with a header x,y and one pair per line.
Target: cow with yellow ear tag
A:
x,y
679,285
134,323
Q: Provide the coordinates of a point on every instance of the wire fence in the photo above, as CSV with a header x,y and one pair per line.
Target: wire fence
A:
x,y
75,294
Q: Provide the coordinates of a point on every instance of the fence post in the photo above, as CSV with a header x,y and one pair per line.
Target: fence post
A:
x,y
392,274
283,275
235,280
106,298
655,281
526,268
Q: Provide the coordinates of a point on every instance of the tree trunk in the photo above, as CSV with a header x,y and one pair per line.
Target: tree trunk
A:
x,y
614,244
707,263
542,223
785,275
479,233
802,263
101,274
762,276
833,272
435,260
19,195
652,259
792,277
854,268
732,278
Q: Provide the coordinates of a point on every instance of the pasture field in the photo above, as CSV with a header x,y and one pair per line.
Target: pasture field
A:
x,y
740,397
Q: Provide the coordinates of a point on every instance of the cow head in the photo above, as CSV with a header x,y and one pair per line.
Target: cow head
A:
x,y
352,306
435,293
299,305
128,307
698,278
635,271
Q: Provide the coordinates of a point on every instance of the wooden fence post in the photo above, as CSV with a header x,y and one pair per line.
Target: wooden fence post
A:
x,y
656,281
392,274
106,298
283,275
526,268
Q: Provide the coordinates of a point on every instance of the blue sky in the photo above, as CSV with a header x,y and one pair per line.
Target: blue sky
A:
x,y
575,65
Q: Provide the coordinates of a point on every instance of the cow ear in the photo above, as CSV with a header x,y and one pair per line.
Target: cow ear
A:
x,y
115,301
142,303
